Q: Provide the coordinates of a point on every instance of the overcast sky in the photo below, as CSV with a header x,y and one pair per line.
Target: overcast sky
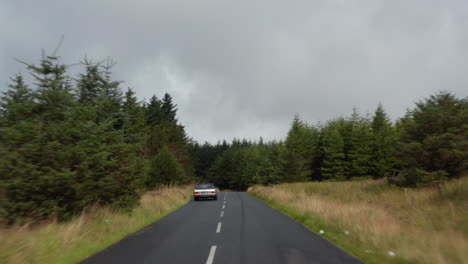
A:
x,y
243,68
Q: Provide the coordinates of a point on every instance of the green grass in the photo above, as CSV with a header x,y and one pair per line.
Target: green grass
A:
x,y
418,225
73,241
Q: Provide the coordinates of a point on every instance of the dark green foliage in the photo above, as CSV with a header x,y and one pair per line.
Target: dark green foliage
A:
x,y
434,139
168,108
227,170
17,103
332,149
244,164
154,113
301,147
59,160
89,84
414,177
270,170
204,156
384,145
134,127
70,144
173,136
234,169
345,146
164,130
352,148
95,88
164,169
110,95
360,151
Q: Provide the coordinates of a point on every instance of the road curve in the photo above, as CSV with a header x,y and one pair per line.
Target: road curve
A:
x,y
236,228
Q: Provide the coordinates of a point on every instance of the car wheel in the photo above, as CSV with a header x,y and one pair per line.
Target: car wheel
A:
x,y
216,197
195,198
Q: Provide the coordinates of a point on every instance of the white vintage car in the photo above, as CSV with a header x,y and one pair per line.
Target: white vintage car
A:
x,y
204,190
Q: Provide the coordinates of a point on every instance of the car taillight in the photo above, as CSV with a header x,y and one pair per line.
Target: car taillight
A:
x,y
197,192
212,191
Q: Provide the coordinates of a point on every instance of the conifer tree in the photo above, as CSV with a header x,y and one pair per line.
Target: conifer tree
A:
x,y
333,167
360,147
434,139
54,91
384,144
17,102
89,83
38,147
134,128
270,160
168,108
164,130
16,129
345,127
154,113
301,144
164,169
110,96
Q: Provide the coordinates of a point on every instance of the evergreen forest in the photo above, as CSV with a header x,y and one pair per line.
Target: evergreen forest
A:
x,y
70,142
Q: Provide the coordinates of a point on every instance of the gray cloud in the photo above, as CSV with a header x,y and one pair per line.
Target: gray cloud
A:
x,y
244,68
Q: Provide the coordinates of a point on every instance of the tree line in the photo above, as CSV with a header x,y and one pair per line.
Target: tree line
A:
x,y
67,143
426,146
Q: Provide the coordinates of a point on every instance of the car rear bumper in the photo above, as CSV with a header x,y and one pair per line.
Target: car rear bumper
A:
x,y
207,195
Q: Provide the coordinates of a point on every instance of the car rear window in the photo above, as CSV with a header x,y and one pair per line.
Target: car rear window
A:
x,y
205,186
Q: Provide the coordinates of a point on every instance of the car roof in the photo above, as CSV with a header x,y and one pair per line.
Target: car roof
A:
x,y
205,183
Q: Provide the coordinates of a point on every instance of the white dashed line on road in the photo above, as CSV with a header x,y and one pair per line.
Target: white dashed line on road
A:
x,y
222,214
219,228
211,255
224,206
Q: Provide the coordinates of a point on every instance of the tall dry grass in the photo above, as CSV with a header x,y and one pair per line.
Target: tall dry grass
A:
x,y
371,218
87,234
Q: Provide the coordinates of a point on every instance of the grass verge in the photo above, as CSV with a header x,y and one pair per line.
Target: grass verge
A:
x,y
379,223
73,241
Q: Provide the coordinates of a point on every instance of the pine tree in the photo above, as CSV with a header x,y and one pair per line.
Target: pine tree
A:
x,y
17,102
360,153
110,90
16,129
134,128
333,167
154,113
270,160
168,108
345,127
205,155
435,139
54,92
164,169
110,96
36,146
301,145
384,144
89,83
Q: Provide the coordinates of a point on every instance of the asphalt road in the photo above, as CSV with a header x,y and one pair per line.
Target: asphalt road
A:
x,y
236,228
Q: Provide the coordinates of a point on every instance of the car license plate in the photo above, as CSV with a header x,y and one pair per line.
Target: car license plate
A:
x,y
204,192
